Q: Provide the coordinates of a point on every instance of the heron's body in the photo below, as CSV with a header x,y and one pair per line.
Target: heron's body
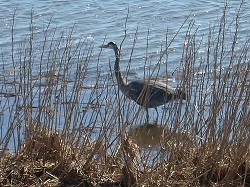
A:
x,y
149,93
146,93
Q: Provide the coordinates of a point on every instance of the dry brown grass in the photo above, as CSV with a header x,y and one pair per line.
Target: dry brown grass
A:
x,y
66,127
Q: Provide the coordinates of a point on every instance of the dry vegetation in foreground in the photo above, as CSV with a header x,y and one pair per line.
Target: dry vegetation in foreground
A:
x,y
63,134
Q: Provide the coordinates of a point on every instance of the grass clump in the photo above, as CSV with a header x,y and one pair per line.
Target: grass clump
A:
x,y
68,127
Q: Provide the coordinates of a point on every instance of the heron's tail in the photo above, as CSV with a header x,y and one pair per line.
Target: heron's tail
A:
x,y
180,94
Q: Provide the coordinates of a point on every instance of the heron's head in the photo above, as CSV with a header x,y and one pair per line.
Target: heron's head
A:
x,y
180,94
110,45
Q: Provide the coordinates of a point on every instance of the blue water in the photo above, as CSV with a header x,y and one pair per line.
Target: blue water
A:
x,y
100,19
97,21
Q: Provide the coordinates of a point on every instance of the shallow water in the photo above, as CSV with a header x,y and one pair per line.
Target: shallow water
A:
x,y
98,21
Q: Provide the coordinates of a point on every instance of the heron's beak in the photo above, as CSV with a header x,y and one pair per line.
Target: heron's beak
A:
x,y
104,46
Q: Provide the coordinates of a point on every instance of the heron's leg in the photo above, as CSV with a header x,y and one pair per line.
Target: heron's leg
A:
x,y
147,115
156,120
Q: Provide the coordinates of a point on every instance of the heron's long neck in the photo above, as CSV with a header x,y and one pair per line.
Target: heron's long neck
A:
x,y
121,83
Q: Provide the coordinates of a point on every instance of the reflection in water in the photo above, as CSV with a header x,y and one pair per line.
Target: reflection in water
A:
x,y
158,136
147,135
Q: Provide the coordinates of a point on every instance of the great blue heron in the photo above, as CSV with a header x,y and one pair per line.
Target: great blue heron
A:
x,y
146,93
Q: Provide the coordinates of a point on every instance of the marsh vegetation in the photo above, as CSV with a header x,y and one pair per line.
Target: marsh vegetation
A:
x,y
63,121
